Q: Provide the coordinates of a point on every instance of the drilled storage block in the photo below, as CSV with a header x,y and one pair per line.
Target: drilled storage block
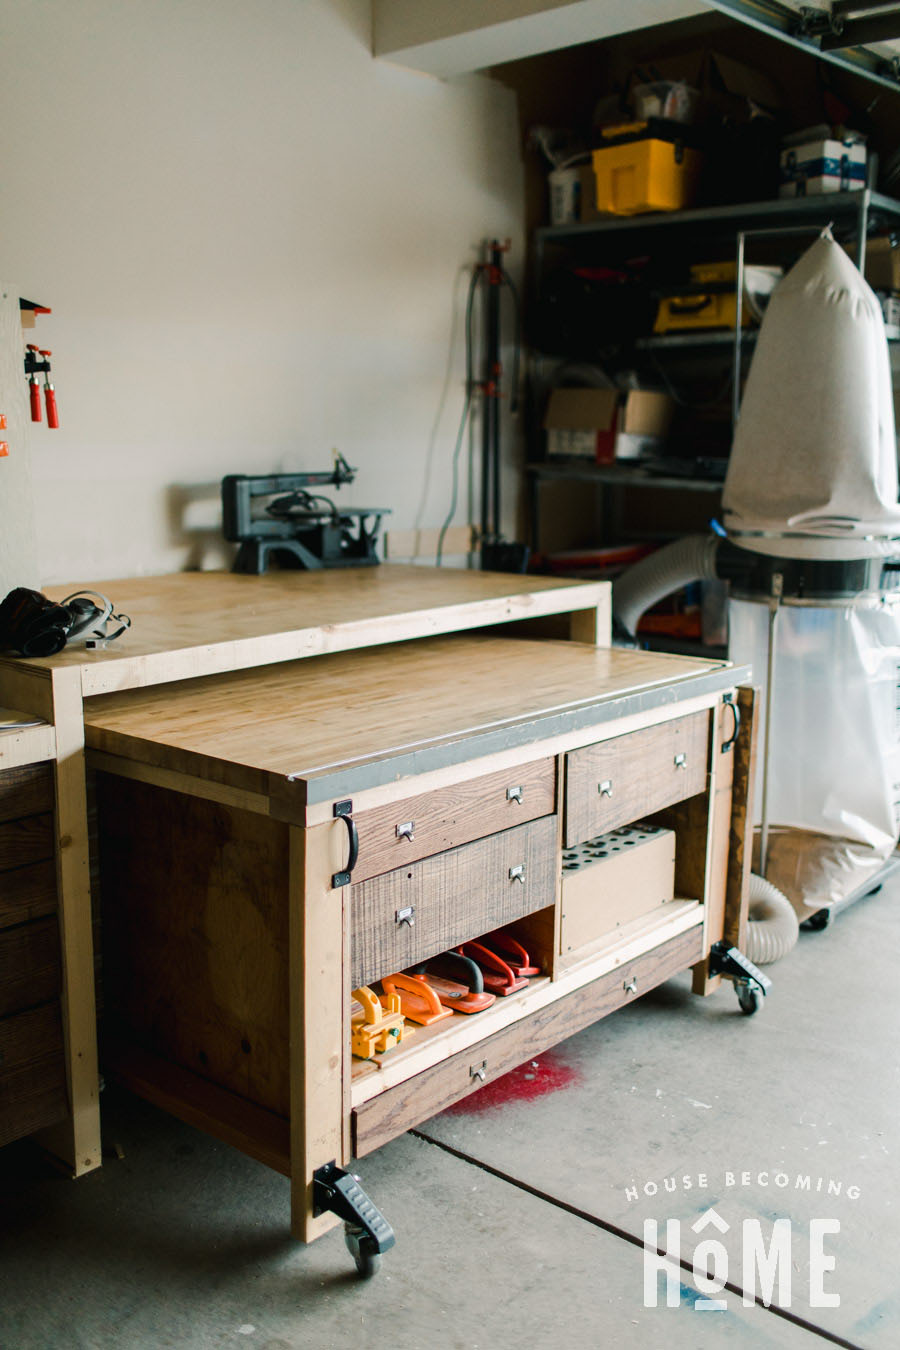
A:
x,y
613,878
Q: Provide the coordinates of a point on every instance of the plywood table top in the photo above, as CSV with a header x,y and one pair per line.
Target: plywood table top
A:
x,y
361,718
197,623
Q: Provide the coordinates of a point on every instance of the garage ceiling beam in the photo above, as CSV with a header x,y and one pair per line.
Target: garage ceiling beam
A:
x,y
452,37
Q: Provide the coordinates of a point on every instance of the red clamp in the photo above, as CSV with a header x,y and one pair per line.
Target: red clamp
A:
x,y
49,392
517,958
36,360
498,976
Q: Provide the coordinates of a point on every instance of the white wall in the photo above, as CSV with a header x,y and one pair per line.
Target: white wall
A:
x,y
253,237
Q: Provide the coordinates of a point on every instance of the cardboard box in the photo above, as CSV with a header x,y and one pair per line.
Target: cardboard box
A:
x,y
603,425
882,262
819,166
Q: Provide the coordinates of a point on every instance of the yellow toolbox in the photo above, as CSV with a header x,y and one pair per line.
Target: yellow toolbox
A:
x,y
710,300
645,166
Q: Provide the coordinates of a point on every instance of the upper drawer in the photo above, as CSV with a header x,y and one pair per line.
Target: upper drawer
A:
x,y
624,779
391,836
422,909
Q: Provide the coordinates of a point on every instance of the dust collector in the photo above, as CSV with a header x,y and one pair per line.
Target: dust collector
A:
x,y
812,538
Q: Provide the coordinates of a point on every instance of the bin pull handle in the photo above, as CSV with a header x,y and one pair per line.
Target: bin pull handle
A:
x,y
344,811
731,702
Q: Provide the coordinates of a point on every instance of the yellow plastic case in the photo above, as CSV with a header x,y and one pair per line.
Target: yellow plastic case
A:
x,y
641,172
715,308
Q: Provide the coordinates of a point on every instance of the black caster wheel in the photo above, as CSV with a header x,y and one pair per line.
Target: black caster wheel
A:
x,y
363,1250
818,922
750,997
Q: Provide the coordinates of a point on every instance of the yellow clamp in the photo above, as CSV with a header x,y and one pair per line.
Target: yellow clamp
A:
x,y
376,1029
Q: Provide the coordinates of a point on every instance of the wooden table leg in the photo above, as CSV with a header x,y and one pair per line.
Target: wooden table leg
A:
x,y
319,1018
77,1140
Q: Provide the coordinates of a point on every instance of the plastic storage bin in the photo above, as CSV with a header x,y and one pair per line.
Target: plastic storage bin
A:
x,y
645,166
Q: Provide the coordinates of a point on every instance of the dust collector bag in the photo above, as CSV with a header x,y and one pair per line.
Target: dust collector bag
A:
x,y
814,461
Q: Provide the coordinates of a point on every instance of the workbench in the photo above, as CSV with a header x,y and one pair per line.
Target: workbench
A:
x,y
305,782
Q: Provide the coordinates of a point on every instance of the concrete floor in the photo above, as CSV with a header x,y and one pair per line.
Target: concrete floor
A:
x,y
519,1217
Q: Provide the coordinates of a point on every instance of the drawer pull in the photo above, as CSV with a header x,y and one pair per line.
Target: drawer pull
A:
x,y
407,916
514,794
479,1071
605,788
729,701
517,873
406,830
681,761
630,986
344,811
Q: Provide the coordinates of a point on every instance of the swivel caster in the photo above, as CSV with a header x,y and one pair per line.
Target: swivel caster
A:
x,y
367,1232
363,1250
818,922
750,984
749,996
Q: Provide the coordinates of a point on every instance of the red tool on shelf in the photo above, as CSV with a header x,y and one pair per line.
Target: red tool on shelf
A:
x,y
418,1001
499,977
504,944
462,998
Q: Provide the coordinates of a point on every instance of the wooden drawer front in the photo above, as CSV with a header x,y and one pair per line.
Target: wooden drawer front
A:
x,y
27,893
25,841
408,1104
433,822
26,791
29,965
621,780
32,1072
454,896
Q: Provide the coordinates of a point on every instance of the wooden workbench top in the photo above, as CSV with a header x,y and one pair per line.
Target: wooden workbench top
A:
x,y
362,718
200,623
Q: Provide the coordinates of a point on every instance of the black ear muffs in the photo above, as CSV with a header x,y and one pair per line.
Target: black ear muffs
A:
x,y
32,625
89,620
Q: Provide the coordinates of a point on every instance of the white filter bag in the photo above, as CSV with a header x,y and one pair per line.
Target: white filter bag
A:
x,y
813,469
835,742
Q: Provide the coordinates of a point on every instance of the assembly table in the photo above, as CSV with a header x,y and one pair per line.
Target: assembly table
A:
x,y
304,782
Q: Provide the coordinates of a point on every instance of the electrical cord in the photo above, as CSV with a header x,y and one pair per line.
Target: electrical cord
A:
x,y
467,407
478,271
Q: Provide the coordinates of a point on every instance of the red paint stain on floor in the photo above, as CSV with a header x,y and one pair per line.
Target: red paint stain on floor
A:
x,y
535,1078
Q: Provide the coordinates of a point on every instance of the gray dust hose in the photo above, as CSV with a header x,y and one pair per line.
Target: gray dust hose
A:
x,y
773,928
692,558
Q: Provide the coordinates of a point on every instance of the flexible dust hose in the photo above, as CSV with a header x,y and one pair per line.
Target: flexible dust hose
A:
x,y
773,927
692,558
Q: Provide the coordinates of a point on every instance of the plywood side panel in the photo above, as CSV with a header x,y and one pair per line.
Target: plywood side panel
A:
x,y
196,934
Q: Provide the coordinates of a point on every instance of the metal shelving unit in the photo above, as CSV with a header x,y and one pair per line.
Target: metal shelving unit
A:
x,y
852,216
854,212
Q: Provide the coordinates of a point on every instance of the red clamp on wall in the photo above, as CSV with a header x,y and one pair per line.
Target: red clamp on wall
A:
x,y
49,392
37,361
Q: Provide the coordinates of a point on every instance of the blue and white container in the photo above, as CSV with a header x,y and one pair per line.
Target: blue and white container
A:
x,y
820,165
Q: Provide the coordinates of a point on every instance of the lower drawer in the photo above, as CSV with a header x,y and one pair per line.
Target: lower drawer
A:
x,y
400,1108
417,911
32,1072
30,968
